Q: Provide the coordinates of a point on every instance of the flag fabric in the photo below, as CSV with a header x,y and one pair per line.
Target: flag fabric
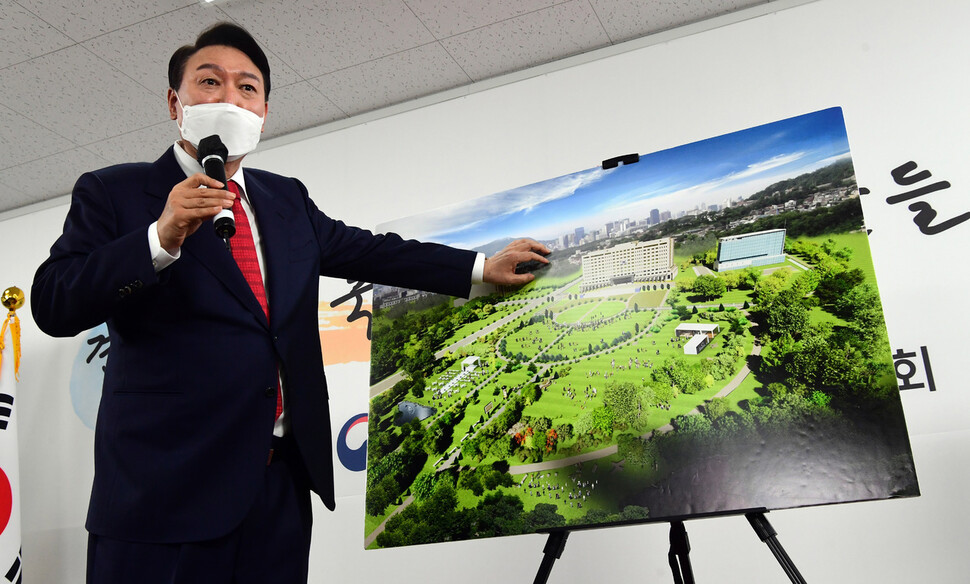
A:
x,y
10,558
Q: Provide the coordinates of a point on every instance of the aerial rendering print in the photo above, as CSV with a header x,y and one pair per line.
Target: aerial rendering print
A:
x,y
707,338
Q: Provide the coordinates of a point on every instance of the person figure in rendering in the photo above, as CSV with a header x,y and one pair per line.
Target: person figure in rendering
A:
x,y
214,427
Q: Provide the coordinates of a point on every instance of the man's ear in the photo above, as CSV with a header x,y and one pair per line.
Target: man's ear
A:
x,y
265,113
172,99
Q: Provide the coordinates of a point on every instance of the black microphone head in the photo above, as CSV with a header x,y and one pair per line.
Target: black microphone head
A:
x,y
212,146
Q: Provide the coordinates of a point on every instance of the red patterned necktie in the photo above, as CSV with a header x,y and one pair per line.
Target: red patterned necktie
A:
x,y
244,252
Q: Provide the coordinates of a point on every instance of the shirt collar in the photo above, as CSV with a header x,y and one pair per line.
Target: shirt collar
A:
x,y
191,166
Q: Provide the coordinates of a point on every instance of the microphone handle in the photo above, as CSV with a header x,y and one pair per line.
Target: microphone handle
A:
x,y
224,222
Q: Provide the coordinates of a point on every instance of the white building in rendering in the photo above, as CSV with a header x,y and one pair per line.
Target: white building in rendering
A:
x,y
636,261
700,334
689,329
470,363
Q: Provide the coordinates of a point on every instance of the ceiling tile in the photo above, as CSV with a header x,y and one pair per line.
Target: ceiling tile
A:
x,y
445,19
36,183
84,19
11,198
142,50
141,145
79,96
532,39
107,94
628,19
25,35
296,107
22,140
393,79
316,37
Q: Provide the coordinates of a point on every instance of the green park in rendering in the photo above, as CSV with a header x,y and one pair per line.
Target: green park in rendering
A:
x,y
560,406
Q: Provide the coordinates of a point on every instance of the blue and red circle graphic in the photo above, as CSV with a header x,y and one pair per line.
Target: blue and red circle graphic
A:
x,y
6,500
353,459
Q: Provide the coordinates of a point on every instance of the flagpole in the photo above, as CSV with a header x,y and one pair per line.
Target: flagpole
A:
x,y
10,528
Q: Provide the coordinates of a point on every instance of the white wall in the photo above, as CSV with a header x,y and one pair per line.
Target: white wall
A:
x,y
897,68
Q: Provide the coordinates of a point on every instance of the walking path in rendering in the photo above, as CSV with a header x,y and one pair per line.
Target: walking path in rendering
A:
x,y
369,539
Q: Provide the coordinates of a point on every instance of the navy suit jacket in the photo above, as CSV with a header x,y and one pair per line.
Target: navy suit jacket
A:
x,y
188,403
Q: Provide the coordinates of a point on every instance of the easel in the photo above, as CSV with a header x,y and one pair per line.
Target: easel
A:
x,y
679,554
551,552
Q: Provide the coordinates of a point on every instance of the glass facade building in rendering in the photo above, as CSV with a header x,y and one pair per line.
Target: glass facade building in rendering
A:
x,y
761,248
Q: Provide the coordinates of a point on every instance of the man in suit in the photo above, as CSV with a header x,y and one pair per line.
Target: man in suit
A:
x,y
214,426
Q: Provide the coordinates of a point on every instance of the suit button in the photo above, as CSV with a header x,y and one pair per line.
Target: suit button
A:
x,y
270,392
124,292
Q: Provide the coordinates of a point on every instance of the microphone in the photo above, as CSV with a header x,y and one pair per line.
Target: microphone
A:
x,y
212,154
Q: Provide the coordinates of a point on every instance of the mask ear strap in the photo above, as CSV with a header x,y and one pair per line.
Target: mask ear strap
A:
x,y
183,109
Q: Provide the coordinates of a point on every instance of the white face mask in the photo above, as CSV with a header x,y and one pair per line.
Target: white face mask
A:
x,y
238,128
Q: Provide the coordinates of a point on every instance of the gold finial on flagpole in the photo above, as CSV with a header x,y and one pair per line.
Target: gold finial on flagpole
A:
x,y
12,299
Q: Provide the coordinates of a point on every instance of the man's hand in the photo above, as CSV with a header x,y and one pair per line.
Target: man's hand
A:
x,y
500,268
188,206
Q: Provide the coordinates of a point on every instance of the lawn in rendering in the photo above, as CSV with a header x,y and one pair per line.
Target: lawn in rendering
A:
x,y
707,339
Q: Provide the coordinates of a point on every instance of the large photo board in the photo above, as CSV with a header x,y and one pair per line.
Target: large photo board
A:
x,y
707,338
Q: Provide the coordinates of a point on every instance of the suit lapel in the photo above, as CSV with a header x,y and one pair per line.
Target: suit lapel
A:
x,y
165,173
203,245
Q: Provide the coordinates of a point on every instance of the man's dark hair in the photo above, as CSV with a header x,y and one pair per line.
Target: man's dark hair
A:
x,y
224,34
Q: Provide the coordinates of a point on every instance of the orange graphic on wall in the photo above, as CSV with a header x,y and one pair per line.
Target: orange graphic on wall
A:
x,y
342,341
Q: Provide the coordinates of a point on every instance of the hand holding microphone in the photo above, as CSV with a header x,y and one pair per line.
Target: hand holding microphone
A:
x,y
188,206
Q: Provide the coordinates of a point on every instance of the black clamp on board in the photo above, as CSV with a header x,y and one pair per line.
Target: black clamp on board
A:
x,y
625,159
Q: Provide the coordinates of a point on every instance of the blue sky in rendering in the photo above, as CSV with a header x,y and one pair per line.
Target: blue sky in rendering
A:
x,y
686,177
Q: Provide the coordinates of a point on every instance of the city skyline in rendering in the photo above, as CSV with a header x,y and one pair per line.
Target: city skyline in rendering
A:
x,y
678,179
